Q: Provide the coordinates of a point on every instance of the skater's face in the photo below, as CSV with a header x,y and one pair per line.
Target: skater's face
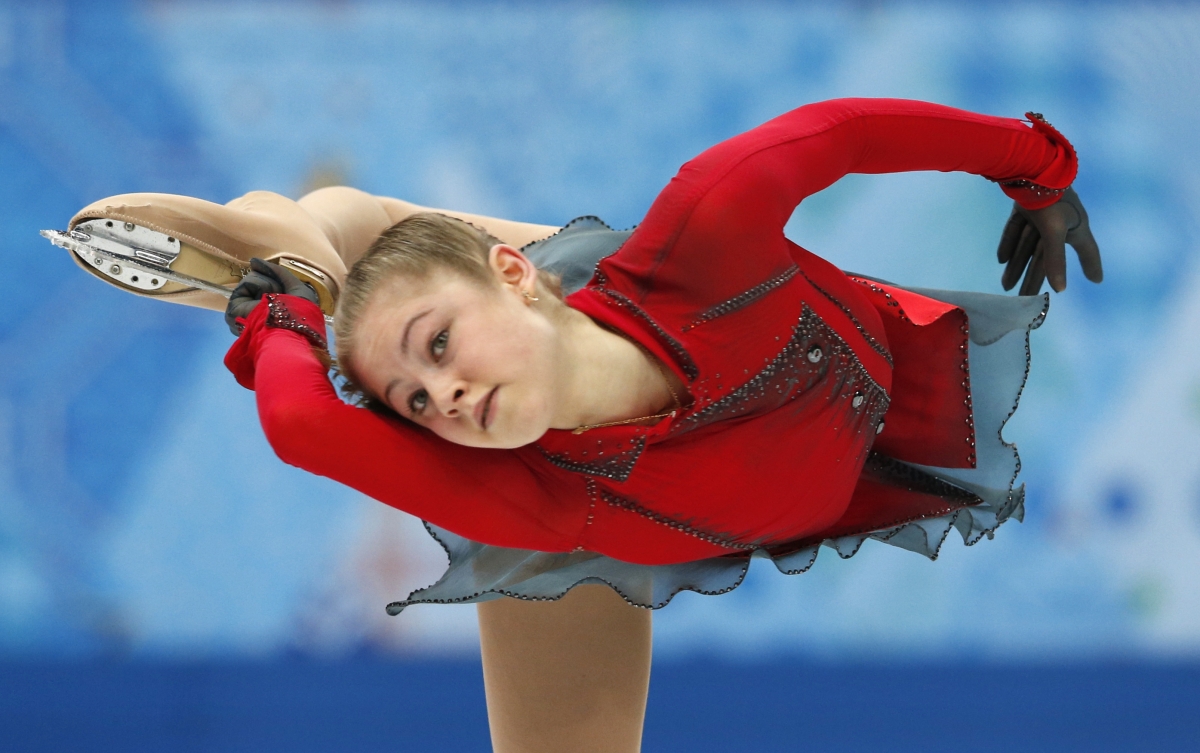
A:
x,y
473,362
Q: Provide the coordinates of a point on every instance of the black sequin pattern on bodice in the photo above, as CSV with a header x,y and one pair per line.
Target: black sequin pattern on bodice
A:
x,y
814,353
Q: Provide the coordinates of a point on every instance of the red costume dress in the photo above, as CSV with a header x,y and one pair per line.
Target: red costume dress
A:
x,y
820,404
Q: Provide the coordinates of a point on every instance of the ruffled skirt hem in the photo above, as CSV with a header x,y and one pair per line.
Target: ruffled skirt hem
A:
x,y
999,360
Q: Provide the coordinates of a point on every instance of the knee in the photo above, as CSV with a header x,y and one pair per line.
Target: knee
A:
x,y
351,219
336,195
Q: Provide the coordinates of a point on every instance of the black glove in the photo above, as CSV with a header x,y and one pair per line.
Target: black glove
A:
x,y
263,278
1038,238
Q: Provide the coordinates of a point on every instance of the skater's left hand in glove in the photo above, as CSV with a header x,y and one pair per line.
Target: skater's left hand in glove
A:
x,y
1037,239
263,278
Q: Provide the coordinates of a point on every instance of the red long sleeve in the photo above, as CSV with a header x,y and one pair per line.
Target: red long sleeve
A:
x,y
728,206
490,496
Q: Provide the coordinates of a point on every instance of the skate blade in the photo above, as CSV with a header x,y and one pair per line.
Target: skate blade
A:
x,y
153,263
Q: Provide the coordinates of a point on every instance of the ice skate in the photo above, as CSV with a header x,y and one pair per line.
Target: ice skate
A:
x,y
191,251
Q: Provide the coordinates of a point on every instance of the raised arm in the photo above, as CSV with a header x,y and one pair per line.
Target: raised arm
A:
x,y
489,496
766,172
729,205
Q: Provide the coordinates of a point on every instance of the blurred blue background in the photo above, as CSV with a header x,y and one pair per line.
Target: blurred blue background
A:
x,y
167,584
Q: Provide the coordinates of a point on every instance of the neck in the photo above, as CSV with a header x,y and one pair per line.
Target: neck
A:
x,y
605,376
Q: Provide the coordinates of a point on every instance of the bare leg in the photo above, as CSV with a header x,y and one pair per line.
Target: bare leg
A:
x,y
568,675
352,220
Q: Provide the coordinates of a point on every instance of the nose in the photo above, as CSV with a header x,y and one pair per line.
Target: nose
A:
x,y
447,395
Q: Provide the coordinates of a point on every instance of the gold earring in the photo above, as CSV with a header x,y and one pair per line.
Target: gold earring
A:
x,y
528,297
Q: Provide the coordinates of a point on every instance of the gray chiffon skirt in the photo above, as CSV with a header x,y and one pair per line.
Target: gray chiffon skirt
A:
x,y
999,360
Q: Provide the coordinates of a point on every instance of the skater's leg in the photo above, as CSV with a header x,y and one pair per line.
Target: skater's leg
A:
x,y
567,675
511,232
327,230
352,220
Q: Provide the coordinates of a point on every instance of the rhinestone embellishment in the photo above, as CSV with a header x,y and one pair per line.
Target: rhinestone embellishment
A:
x,y
743,299
857,401
875,344
617,466
279,316
682,357
1041,192
815,354
791,374
622,503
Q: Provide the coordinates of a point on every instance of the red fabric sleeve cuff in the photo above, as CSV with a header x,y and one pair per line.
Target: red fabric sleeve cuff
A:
x,y
273,312
1047,186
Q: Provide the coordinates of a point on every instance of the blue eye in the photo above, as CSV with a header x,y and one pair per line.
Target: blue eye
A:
x,y
437,346
418,401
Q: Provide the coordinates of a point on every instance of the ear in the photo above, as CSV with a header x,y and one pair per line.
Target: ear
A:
x,y
512,268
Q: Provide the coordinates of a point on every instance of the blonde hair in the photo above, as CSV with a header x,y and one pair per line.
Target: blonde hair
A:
x,y
414,249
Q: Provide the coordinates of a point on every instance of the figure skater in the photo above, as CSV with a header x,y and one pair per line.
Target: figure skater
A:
x,y
710,392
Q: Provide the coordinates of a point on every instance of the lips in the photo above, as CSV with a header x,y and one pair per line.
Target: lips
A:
x,y
483,411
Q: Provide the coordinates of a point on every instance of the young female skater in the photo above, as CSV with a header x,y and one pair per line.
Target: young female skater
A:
x,y
713,392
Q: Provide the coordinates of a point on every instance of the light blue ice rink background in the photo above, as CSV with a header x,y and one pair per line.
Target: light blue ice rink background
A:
x,y
142,514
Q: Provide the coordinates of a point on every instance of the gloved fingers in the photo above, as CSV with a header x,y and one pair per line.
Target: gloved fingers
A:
x,y
1010,236
1084,243
258,282
238,310
1021,256
288,282
1052,251
244,298
1071,199
1035,276
255,285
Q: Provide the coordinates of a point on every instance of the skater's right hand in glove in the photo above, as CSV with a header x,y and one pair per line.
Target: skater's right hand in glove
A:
x,y
263,278
1037,238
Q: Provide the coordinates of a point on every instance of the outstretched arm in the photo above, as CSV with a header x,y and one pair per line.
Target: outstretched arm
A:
x,y
728,206
489,496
